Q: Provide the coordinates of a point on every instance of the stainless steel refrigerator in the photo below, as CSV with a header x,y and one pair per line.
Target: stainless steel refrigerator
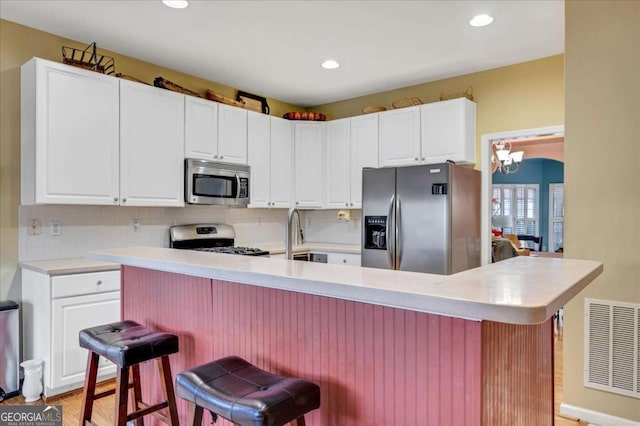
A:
x,y
421,218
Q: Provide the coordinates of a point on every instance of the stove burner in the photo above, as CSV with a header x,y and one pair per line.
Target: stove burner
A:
x,y
246,251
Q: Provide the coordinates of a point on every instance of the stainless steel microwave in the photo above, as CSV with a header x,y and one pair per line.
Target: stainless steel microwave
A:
x,y
208,182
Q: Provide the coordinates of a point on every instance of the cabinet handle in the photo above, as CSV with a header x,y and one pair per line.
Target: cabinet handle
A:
x,y
115,199
422,158
99,282
221,157
344,260
416,158
346,204
215,156
351,204
124,200
297,203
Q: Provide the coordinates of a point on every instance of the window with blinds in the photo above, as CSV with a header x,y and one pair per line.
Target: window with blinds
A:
x,y
556,216
521,202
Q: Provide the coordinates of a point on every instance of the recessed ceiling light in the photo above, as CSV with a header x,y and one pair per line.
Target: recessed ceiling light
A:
x,y
481,20
330,64
176,4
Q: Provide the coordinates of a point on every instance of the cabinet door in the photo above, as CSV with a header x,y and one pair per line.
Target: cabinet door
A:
x,y
232,134
259,158
400,137
76,134
364,153
337,174
69,316
307,182
449,131
200,129
151,146
281,182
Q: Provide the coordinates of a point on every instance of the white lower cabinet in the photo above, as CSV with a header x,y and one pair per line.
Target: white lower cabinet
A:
x,y
55,309
343,259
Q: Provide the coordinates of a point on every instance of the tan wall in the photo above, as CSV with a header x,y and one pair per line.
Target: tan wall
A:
x,y
18,44
602,173
522,96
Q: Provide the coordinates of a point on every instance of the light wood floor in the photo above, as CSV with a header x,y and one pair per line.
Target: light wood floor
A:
x,y
103,411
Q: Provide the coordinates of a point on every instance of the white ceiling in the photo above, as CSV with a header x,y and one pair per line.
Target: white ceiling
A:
x,y
274,48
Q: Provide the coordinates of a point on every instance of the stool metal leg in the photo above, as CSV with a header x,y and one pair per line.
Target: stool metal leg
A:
x,y
122,390
167,389
89,387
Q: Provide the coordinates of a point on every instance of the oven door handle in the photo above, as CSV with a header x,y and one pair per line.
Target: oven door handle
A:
x,y
237,189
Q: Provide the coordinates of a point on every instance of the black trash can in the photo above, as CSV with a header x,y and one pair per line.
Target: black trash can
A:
x,y
9,349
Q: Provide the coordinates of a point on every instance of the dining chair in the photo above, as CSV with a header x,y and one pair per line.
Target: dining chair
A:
x,y
537,241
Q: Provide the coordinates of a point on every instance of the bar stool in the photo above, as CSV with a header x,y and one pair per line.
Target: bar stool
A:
x,y
242,393
127,344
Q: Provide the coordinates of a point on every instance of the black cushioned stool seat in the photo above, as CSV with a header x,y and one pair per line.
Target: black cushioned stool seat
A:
x,y
246,395
126,344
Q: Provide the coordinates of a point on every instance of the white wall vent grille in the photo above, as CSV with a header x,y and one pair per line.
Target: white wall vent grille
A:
x,y
612,333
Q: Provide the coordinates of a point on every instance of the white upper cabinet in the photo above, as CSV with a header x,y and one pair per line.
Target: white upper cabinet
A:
x,y
281,182
363,152
270,145
350,145
337,157
200,129
69,126
449,131
259,158
232,134
307,165
151,146
400,137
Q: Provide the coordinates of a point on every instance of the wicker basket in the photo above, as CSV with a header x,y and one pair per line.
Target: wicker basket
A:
x,y
88,59
372,109
128,77
466,94
213,96
406,102
169,85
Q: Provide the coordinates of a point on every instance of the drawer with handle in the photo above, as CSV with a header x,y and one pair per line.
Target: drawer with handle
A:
x,y
89,283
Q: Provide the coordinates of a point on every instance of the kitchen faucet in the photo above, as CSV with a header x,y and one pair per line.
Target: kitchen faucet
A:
x,y
290,236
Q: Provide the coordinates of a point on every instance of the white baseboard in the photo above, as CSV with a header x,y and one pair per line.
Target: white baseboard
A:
x,y
594,418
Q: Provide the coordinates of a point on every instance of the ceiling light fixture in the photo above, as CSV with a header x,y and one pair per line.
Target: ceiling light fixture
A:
x,y
330,64
176,4
503,160
481,20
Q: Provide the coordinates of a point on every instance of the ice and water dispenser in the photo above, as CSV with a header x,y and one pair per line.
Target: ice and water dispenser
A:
x,y
375,232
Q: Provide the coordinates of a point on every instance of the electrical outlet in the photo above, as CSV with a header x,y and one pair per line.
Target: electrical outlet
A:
x,y
34,227
135,223
55,228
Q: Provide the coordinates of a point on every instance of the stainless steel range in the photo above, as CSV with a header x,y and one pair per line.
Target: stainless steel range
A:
x,y
215,238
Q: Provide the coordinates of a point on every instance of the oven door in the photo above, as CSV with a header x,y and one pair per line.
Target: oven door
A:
x,y
216,183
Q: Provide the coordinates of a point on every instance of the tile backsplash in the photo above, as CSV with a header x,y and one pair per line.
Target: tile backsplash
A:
x,y
88,228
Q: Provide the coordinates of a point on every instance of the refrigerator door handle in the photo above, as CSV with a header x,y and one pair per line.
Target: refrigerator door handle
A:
x,y
390,243
398,242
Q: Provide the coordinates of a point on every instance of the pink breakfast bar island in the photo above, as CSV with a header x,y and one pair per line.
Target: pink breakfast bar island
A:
x,y
386,347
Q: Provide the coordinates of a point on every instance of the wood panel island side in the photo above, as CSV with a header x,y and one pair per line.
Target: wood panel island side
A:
x,y
386,347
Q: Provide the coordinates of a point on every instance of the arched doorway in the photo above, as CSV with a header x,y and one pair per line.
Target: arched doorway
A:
x,y
545,142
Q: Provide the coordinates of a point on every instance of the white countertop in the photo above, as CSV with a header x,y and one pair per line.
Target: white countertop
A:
x,y
76,265
522,290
